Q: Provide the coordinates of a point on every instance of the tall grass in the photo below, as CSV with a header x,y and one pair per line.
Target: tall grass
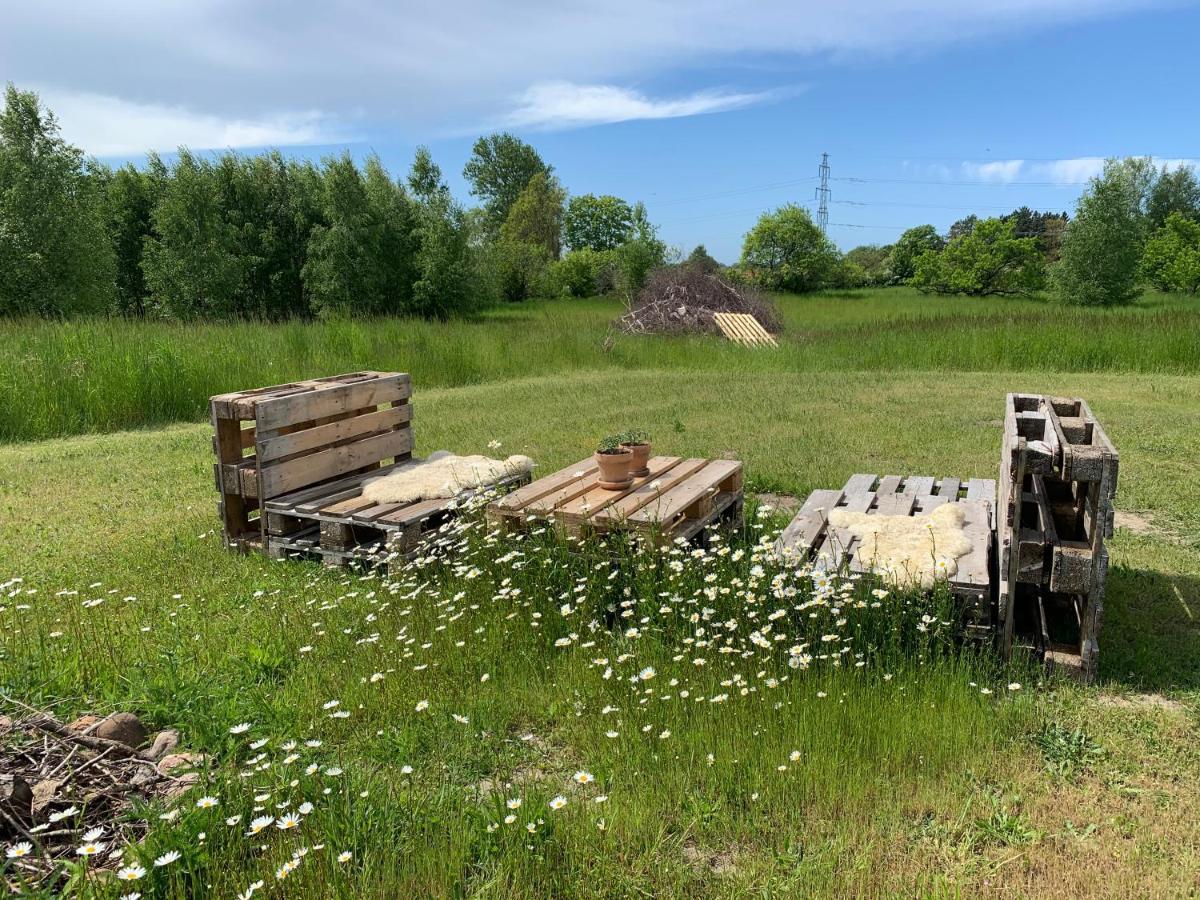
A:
x,y
85,376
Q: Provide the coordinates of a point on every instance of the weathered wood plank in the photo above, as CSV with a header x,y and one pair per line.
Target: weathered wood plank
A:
x,y
539,488
279,478
676,501
275,412
271,448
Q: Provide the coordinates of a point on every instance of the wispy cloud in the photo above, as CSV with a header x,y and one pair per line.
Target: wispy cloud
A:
x,y
110,126
562,104
1069,171
1001,170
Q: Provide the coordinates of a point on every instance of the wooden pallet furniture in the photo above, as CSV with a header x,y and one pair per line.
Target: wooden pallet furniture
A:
x,y
292,460
275,440
809,535
1057,486
679,498
744,329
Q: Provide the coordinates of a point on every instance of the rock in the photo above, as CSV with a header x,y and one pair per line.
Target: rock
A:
x,y
164,743
6,724
123,727
44,793
16,799
83,723
173,761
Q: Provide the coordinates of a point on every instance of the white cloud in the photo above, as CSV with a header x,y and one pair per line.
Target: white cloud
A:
x,y
1068,171
110,126
1000,171
443,66
561,104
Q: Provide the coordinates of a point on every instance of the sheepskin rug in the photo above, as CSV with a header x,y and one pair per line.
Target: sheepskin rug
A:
x,y
908,550
441,475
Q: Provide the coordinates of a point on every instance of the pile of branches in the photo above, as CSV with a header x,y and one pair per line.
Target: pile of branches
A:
x,y
60,781
683,299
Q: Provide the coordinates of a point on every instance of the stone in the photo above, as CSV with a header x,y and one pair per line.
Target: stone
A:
x,y
83,723
44,793
164,742
173,761
125,728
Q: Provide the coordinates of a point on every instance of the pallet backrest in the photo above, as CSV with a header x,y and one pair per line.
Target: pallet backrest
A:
x,y
321,432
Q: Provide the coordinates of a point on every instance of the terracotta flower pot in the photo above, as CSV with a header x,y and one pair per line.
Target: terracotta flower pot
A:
x,y
641,456
614,468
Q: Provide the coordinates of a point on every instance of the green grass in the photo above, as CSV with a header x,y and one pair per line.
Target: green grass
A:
x,y
914,785
78,377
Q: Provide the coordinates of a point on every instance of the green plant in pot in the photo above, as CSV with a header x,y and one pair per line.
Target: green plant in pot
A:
x,y
638,442
614,461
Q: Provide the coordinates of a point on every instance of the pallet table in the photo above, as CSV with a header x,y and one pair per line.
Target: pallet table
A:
x,y
744,329
809,536
680,498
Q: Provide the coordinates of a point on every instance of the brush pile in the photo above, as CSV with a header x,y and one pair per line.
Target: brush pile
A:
x,y
683,299
81,792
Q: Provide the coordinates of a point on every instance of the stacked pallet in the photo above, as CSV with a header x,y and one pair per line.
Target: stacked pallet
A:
x,y
1058,481
276,441
809,536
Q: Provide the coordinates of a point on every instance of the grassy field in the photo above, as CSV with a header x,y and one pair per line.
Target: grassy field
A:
x,y
899,777
58,379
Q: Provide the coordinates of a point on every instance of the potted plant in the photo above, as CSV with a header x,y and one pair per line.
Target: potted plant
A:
x,y
638,442
614,462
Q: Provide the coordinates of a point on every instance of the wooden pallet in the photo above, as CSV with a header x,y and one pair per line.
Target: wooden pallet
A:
x,y
680,498
335,523
1058,480
809,536
743,328
274,441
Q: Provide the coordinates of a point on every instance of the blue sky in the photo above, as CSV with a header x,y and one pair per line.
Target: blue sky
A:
x,y
710,112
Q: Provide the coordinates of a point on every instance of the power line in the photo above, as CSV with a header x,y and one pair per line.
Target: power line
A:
x,y
975,183
735,191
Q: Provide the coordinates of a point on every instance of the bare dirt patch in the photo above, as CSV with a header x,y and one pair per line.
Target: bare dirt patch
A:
x,y
779,502
1141,702
716,862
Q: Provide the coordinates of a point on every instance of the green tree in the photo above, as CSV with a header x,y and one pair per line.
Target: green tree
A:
x,y
598,223
499,168
363,259
55,257
1102,249
911,245
192,261
1174,191
700,259
868,264
785,251
989,259
446,282
536,217
1171,261
130,196
635,259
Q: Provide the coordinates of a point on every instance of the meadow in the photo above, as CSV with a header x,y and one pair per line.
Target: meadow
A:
x,y
95,375
830,742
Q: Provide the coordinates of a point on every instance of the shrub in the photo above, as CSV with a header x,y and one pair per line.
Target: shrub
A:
x,y
1171,261
987,260
581,273
786,251
913,244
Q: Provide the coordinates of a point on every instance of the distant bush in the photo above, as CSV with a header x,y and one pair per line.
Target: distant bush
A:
x,y
786,251
581,273
987,260
914,243
1171,261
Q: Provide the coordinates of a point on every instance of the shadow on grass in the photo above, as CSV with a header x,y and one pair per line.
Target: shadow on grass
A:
x,y
1150,636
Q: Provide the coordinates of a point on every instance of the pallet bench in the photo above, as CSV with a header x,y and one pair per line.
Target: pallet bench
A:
x,y
680,498
292,460
1057,487
809,536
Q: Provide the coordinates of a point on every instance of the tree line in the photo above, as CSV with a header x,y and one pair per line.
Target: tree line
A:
x,y
229,235
1134,223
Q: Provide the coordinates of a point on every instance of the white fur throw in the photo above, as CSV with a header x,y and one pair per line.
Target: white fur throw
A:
x,y
441,475
908,550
